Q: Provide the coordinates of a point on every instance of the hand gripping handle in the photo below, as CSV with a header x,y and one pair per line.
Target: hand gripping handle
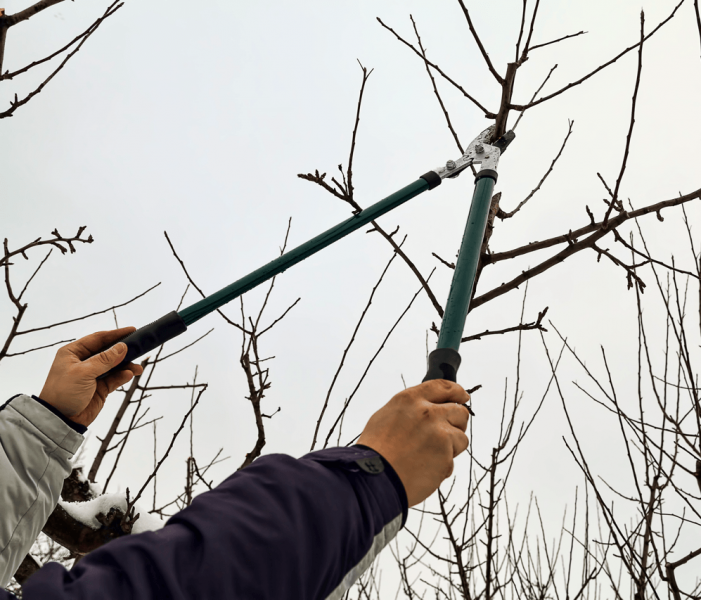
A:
x,y
148,338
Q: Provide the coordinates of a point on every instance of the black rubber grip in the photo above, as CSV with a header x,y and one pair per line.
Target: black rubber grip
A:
x,y
432,178
486,173
148,338
443,363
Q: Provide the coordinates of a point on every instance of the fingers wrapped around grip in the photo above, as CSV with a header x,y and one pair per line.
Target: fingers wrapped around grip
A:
x,y
419,431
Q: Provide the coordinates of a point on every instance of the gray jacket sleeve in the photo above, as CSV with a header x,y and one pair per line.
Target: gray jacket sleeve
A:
x,y
36,447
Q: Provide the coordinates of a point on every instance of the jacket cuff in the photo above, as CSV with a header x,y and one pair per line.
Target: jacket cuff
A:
x,y
81,429
53,427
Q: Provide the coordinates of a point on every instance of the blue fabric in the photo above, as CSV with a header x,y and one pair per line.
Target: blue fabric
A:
x,y
282,528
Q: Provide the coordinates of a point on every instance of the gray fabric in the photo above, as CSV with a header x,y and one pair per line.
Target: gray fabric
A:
x,y
36,447
381,540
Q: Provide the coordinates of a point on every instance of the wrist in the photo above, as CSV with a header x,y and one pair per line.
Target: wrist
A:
x,y
78,427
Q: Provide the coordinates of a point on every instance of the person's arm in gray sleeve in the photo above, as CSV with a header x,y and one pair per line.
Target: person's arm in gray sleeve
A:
x,y
39,436
36,447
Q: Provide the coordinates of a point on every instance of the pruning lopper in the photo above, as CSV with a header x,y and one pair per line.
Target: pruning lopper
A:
x,y
444,361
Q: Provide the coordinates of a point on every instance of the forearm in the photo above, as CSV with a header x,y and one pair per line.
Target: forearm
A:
x,y
281,528
36,446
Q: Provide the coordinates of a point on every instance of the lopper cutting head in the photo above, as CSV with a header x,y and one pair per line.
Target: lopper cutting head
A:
x,y
480,151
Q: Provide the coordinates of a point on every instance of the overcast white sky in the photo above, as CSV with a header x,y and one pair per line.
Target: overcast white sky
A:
x,y
196,119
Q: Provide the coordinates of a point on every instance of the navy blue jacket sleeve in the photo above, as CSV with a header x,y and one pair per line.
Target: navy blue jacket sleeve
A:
x,y
282,528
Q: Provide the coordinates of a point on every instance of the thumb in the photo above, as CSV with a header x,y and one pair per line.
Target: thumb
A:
x,y
104,361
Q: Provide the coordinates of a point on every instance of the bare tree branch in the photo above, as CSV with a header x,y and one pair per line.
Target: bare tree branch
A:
x,y
487,113
599,68
698,17
88,31
27,13
566,37
507,215
345,352
561,239
99,312
16,103
194,404
614,197
182,265
435,89
537,324
490,66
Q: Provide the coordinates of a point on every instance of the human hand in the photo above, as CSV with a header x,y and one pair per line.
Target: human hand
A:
x,y
419,432
71,385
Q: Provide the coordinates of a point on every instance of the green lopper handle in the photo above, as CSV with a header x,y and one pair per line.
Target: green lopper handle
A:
x,y
445,360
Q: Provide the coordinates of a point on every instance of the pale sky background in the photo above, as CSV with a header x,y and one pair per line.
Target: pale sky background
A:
x,y
196,119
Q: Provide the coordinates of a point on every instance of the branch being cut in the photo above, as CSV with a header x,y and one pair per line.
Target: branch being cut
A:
x,y
349,178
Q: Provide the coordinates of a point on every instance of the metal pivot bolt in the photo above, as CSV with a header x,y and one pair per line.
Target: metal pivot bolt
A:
x,y
450,165
479,148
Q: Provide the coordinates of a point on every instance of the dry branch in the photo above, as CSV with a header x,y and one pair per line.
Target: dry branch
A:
x,y
477,39
507,215
599,68
435,89
487,113
16,103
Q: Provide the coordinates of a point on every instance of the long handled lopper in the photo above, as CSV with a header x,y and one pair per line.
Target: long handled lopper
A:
x,y
444,361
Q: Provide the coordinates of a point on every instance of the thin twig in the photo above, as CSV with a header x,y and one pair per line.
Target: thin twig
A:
x,y
490,66
366,75
14,105
537,324
507,215
348,347
367,369
99,312
599,68
624,162
440,71
698,17
566,37
574,234
88,31
182,265
542,85
131,504
435,89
